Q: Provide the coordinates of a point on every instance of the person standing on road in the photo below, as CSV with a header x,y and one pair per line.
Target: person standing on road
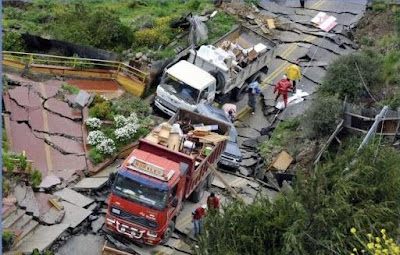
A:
x,y
282,88
254,91
198,216
302,2
213,202
293,74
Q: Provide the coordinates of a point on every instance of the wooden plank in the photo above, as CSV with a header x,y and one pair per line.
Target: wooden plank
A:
x,y
271,24
215,172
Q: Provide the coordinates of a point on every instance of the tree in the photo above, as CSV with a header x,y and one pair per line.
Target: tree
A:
x,y
12,41
101,28
343,79
323,116
317,216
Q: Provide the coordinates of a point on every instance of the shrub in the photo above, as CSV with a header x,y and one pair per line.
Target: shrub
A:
x,y
322,117
93,123
70,89
106,147
101,111
36,178
95,156
129,104
22,162
95,137
7,239
6,187
119,121
343,79
126,132
12,41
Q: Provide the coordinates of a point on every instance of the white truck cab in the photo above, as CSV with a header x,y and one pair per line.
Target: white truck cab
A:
x,y
184,85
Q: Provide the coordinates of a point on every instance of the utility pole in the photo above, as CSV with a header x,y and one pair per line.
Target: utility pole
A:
x,y
372,130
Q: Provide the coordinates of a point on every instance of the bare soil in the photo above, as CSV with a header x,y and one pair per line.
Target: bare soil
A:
x,y
374,26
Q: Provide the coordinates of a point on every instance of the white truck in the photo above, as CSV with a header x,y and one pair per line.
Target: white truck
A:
x,y
222,69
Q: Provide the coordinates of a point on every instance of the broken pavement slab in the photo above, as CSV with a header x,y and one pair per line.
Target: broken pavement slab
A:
x,y
282,161
83,244
41,238
91,183
49,181
74,215
61,108
74,197
26,199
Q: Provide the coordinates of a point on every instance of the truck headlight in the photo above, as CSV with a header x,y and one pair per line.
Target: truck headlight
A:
x,y
152,233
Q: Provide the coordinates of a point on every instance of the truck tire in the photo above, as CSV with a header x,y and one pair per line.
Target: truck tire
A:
x,y
238,94
220,80
198,193
168,232
254,77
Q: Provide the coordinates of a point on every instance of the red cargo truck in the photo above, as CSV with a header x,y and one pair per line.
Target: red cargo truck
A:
x,y
151,184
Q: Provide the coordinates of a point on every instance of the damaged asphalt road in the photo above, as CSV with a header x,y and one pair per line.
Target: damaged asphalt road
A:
x,y
298,38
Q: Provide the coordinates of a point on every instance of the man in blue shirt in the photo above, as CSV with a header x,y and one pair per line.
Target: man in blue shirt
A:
x,y
254,91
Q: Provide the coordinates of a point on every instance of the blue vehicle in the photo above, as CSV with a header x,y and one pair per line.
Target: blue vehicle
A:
x,y
232,156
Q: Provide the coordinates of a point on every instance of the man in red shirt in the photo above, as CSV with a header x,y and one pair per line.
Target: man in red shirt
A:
x,y
282,88
213,202
198,215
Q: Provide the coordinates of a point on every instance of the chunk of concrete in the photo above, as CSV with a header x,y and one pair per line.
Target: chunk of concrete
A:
x,y
49,181
91,183
249,162
83,244
97,224
74,215
82,98
26,199
74,197
42,238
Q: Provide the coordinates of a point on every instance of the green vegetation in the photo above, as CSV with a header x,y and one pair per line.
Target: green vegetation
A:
x,y
12,41
70,89
117,114
343,78
322,117
317,216
117,25
7,239
35,178
221,24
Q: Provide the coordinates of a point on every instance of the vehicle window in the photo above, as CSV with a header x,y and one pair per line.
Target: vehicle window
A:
x,y
181,90
137,192
173,192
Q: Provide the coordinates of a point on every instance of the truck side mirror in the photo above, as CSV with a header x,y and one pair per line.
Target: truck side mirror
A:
x,y
174,202
111,178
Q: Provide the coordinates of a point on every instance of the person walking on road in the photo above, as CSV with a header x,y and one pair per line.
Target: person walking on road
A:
x,y
282,88
198,216
293,74
254,91
213,202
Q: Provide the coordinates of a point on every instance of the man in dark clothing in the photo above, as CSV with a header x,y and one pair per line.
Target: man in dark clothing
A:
x,y
254,91
213,202
302,2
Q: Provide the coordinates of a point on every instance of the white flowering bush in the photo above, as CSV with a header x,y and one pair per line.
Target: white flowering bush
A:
x,y
120,121
93,123
126,127
95,137
126,132
107,146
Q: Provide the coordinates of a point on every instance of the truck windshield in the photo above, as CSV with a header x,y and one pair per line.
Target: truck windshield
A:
x,y
137,192
181,90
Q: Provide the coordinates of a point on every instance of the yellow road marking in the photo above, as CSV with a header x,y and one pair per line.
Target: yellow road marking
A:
x,y
46,129
279,70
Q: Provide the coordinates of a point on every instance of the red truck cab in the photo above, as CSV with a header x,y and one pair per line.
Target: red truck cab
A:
x,y
151,184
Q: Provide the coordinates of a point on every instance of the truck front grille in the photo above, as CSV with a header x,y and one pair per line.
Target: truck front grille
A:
x,y
134,218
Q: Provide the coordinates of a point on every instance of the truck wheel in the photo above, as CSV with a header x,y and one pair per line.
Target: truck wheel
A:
x,y
168,232
255,77
198,193
238,94
220,80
